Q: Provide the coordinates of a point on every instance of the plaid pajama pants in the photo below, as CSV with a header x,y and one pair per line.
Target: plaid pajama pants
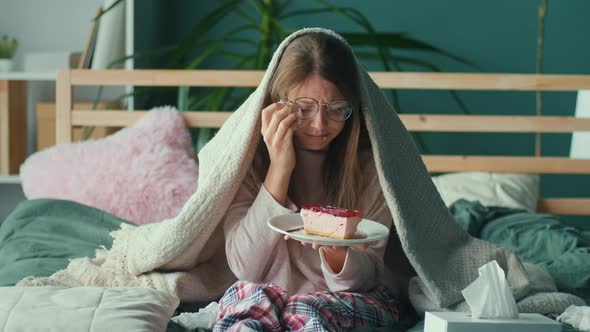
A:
x,y
248,307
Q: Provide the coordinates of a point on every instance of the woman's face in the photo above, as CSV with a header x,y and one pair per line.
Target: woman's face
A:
x,y
317,132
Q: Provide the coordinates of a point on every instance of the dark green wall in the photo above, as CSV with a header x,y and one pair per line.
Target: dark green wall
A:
x,y
498,36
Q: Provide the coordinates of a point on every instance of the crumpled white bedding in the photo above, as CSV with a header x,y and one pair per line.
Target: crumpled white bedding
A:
x,y
202,320
97,309
576,316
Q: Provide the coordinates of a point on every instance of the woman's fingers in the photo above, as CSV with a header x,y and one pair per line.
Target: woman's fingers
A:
x,y
267,113
315,246
274,120
291,130
284,128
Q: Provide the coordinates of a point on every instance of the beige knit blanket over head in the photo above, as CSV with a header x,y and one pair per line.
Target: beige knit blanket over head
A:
x,y
166,255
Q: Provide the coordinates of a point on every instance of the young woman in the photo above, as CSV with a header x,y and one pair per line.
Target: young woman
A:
x,y
315,150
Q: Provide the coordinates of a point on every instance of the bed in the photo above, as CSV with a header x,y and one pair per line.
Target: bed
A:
x,y
488,218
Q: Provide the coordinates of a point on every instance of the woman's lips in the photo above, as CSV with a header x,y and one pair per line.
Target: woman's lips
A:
x,y
318,135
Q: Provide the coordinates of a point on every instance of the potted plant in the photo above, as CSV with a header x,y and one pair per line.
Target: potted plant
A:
x,y
7,49
258,27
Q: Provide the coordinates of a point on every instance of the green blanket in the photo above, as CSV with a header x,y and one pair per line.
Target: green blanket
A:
x,y
39,237
538,238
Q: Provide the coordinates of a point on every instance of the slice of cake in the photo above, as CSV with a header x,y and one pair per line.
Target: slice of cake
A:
x,y
330,221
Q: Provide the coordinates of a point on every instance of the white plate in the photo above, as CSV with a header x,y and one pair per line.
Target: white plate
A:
x,y
367,231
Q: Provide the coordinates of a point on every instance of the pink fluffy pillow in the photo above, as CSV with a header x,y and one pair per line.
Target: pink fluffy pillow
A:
x,y
143,173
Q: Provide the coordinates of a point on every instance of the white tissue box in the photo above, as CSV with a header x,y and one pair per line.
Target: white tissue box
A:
x,y
450,321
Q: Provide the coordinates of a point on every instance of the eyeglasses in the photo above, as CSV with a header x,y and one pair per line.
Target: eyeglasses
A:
x,y
306,108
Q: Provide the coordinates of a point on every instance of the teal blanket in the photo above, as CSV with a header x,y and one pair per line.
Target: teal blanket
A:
x,y
39,237
538,238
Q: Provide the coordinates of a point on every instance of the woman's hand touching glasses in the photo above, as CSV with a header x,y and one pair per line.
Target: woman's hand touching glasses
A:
x,y
278,126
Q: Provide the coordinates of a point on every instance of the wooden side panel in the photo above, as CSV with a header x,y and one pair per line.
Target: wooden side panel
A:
x,y
13,125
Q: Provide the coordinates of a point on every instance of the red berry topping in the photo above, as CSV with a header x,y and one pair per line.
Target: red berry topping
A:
x,y
335,211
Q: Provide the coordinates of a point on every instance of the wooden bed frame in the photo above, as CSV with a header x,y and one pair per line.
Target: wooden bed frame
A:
x,y
67,117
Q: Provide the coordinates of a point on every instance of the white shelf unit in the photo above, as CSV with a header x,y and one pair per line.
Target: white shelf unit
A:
x,y
20,81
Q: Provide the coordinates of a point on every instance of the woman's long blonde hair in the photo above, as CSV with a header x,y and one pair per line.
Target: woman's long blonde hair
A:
x,y
331,59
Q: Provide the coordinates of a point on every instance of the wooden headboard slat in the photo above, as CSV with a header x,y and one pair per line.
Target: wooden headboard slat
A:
x,y
414,122
494,123
568,206
506,164
386,80
158,77
469,81
121,118
63,114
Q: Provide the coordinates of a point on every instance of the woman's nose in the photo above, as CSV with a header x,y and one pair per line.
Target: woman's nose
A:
x,y
320,120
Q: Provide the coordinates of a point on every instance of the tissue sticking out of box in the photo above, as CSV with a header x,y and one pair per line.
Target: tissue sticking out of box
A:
x,y
489,296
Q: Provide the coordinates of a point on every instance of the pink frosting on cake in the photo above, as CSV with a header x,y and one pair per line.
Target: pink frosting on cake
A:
x,y
330,221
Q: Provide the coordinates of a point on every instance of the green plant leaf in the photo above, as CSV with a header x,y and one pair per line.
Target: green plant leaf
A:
x,y
258,6
198,101
183,98
243,41
265,44
199,30
420,63
143,54
8,47
245,16
400,41
213,46
399,59
237,58
282,6
305,12
357,17
279,32
351,13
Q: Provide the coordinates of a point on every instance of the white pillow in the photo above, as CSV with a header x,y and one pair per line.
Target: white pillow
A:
x,y
520,191
52,308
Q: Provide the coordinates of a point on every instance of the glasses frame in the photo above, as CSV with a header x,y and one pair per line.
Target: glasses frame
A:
x,y
288,102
